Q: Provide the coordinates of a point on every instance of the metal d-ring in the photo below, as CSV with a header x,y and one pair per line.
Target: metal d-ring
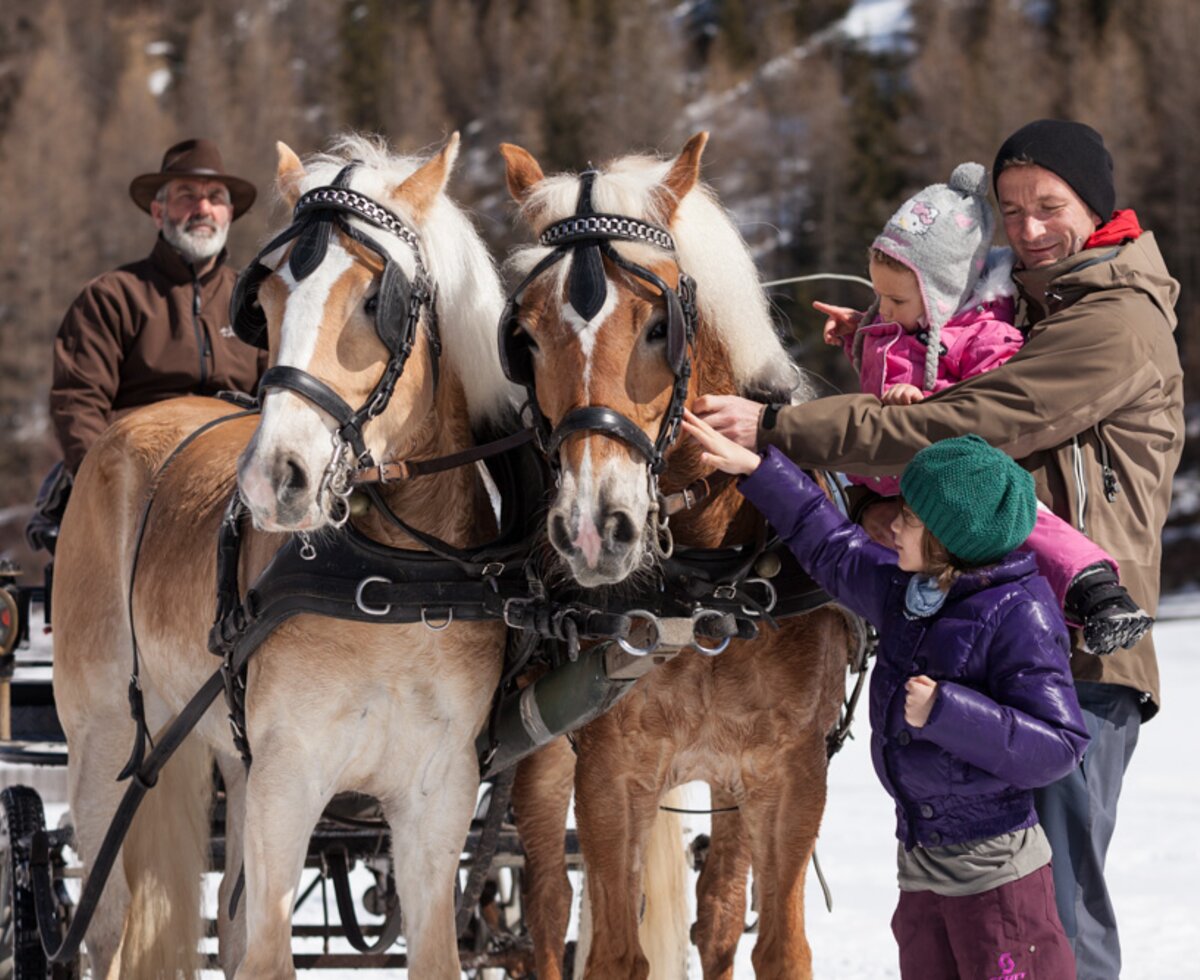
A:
x,y
697,618
358,596
649,617
772,596
437,627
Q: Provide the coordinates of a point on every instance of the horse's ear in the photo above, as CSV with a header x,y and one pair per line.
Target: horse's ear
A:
x,y
288,174
420,190
521,171
685,171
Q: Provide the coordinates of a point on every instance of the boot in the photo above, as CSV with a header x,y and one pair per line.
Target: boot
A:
x,y
1108,614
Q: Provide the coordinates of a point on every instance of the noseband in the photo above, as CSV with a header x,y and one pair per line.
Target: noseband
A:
x,y
587,236
398,305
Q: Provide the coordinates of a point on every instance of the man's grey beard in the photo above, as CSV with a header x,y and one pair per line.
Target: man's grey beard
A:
x,y
193,247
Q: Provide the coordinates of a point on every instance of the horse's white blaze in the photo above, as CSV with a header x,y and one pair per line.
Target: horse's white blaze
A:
x,y
306,306
587,539
588,330
292,428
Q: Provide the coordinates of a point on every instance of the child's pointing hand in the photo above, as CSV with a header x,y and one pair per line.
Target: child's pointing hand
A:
x,y
841,321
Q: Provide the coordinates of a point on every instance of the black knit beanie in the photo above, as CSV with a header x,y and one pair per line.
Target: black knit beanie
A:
x,y
1073,151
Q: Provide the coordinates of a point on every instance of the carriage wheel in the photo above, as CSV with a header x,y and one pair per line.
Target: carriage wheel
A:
x,y
21,955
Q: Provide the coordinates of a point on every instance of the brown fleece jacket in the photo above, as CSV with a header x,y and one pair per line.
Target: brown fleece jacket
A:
x,y
141,333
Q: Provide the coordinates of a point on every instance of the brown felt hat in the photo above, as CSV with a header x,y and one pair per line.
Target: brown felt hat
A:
x,y
193,158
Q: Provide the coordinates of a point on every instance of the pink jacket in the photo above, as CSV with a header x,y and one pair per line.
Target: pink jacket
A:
x,y
976,339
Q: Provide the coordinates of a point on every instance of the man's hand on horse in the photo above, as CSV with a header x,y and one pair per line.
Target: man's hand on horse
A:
x,y
720,453
733,417
841,321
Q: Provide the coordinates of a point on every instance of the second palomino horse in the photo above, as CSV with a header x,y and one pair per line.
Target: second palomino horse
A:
x,y
391,710
605,342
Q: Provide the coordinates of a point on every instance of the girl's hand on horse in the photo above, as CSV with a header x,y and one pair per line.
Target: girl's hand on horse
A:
x,y
719,452
920,692
842,321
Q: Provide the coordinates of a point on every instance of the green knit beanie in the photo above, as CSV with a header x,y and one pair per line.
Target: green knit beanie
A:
x,y
974,499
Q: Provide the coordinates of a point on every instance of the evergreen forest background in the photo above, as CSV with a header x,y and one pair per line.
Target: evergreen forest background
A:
x,y
819,129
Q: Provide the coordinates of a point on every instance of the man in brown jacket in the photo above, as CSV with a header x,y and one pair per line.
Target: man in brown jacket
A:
x,y
159,327
1092,405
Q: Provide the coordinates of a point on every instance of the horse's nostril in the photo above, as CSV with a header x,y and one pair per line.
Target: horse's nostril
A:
x,y
291,477
560,537
621,528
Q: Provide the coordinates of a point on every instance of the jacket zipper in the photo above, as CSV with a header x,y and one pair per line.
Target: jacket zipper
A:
x,y
201,334
1112,485
1081,490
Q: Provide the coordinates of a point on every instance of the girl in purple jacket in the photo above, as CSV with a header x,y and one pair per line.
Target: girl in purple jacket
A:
x,y
943,313
971,701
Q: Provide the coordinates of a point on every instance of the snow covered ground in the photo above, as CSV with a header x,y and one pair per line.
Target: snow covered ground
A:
x,y
1154,861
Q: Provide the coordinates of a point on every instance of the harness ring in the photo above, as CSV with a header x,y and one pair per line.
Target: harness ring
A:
x,y
438,627
772,596
372,610
697,618
650,618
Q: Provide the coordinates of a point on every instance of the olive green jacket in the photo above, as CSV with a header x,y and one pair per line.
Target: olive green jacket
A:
x,y
1092,405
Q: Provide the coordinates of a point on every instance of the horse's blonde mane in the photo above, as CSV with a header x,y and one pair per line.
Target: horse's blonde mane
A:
x,y
469,297
709,247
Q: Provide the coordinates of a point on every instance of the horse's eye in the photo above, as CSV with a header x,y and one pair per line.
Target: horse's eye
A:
x,y
371,305
657,331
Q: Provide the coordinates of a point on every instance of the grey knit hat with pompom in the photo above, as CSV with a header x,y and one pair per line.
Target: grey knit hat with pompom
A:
x,y
943,234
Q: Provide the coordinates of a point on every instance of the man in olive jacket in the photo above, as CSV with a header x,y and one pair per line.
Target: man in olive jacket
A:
x,y
1092,405
159,327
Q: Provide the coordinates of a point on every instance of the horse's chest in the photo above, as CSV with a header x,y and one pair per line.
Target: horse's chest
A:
x,y
708,709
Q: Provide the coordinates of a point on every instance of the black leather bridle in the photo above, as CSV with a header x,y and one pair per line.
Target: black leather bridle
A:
x,y
587,237
397,306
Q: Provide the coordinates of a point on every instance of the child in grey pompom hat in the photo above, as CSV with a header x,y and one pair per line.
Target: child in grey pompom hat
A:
x,y
942,235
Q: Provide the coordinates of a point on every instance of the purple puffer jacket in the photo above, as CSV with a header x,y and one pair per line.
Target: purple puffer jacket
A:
x,y
1006,719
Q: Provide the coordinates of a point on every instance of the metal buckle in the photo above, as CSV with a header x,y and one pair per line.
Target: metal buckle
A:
x,y
373,610
507,609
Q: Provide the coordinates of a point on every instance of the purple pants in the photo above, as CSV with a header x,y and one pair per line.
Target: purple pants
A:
x,y
1008,933
1062,552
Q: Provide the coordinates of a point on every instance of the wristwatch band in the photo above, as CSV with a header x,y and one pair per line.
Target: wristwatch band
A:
x,y
769,414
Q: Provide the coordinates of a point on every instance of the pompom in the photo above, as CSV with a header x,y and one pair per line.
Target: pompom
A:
x,y
970,178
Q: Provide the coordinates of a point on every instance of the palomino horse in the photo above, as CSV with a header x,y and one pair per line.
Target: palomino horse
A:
x,y
608,352
332,706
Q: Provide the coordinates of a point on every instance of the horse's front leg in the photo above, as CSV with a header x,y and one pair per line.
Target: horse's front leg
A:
x,y
782,811
429,827
721,891
541,795
285,796
616,801
231,930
